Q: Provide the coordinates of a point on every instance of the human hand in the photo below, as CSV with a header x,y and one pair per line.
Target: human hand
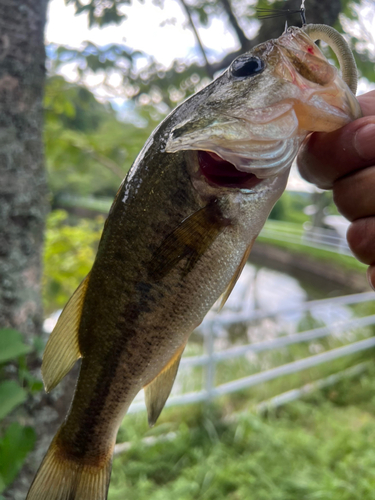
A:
x,y
344,161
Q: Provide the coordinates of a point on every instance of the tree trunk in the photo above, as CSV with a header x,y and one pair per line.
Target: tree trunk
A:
x,y
23,188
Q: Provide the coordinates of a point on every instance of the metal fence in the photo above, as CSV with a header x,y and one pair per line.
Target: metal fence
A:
x,y
324,239
212,328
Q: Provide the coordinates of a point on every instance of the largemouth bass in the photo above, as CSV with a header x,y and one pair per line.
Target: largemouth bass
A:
x,y
177,237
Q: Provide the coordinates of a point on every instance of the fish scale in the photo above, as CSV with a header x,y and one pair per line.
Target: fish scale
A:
x,y
176,238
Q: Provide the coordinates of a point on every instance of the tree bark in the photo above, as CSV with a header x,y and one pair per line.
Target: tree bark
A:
x,y
233,21
23,187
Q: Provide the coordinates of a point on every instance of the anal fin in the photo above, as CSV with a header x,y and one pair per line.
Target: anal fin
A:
x,y
62,349
158,390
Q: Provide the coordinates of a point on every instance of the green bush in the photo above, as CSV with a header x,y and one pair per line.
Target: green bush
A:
x,y
69,254
16,440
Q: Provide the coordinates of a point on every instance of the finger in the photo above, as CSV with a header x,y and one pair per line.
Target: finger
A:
x,y
371,276
361,239
354,194
324,158
367,103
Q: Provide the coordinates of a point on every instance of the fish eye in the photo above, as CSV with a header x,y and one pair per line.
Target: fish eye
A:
x,y
245,66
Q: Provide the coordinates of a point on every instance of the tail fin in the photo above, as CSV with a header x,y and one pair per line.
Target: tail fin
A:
x,y
60,478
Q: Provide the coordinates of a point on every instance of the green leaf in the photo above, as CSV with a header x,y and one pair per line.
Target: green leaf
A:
x,y
39,346
28,379
17,442
11,395
11,345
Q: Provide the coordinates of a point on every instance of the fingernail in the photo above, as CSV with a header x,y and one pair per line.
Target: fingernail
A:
x,y
368,272
364,142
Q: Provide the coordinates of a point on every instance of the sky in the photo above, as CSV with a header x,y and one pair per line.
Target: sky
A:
x,y
144,32
140,31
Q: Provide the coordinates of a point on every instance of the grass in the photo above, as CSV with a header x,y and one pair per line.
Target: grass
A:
x,y
318,448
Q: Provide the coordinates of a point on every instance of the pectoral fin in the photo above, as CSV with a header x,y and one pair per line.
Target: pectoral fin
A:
x,y
62,349
236,275
157,391
189,240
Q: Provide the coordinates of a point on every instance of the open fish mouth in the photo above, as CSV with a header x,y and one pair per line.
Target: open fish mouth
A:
x,y
257,123
223,173
264,143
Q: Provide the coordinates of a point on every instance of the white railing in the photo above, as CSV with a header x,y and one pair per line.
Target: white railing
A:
x,y
213,326
324,239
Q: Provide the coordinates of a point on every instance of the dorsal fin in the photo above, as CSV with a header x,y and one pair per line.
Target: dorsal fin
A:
x,y
62,349
157,391
236,275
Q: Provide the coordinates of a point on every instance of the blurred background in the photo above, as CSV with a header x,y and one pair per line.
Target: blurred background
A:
x,y
275,398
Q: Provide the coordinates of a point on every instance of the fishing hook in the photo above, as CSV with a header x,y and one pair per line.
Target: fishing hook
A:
x,y
303,13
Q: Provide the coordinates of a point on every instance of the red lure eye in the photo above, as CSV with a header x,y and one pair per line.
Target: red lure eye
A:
x,y
222,173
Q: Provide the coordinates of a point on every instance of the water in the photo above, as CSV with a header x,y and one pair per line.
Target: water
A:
x,y
269,291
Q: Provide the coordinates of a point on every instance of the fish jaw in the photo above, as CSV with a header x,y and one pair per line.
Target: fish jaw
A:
x,y
325,102
258,123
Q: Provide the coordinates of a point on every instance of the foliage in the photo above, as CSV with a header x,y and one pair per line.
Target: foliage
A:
x,y
69,254
290,207
11,345
99,12
15,445
16,440
88,150
353,22
138,75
